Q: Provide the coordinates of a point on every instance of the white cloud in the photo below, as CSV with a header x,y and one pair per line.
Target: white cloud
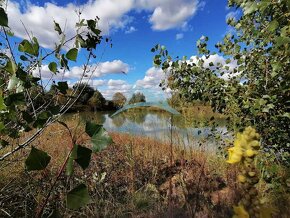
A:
x,y
131,29
171,14
152,79
179,36
165,14
114,86
76,72
39,19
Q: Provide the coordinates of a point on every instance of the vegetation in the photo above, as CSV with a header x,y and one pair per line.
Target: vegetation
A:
x,y
26,108
137,97
119,99
255,91
74,167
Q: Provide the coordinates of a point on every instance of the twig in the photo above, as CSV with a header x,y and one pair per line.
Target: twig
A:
x,y
40,210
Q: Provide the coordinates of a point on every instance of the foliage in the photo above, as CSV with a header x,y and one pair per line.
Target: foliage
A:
x,y
256,90
26,105
86,92
119,99
137,97
97,101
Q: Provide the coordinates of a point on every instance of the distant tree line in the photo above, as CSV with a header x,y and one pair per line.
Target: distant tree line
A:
x,y
88,99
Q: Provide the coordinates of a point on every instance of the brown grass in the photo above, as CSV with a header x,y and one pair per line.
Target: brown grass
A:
x,y
133,177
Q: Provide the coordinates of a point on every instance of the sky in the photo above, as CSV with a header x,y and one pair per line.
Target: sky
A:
x,y
135,26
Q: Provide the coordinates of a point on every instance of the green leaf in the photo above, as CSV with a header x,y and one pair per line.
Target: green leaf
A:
x,y
23,58
15,99
57,28
2,105
13,81
52,67
250,7
3,18
273,25
70,162
92,128
28,47
10,67
27,117
72,54
2,126
37,160
41,119
83,156
282,40
101,140
64,62
78,197
62,87
54,110
92,26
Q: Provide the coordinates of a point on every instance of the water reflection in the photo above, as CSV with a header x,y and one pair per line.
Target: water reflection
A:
x,y
186,131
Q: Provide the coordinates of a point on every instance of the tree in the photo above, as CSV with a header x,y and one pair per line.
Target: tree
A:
x,y
256,92
119,99
137,97
86,92
97,101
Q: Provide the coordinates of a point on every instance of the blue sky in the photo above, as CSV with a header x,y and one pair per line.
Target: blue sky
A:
x,y
135,26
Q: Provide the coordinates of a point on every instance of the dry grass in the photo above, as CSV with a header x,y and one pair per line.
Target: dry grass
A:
x,y
133,177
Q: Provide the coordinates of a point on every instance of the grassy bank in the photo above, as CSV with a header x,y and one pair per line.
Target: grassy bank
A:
x,y
134,177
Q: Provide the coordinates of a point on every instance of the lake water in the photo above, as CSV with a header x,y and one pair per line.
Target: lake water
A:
x,y
187,132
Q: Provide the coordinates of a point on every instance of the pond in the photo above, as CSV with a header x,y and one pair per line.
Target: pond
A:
x,y
187,131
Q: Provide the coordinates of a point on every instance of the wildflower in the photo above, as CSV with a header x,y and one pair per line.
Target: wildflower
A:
x,y
235,155
242,178
240,212
250,152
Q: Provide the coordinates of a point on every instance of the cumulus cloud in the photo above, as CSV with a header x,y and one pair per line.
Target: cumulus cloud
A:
x,y
39,19
114,86
164,14
179,36
152,78
164,18
77,72
168,14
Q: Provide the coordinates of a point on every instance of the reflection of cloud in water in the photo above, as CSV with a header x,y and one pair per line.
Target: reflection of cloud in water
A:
x,y
158,127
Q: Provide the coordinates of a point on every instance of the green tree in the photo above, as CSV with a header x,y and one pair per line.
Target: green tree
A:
x,y
84,91
137,97
256,91
119,99
97,101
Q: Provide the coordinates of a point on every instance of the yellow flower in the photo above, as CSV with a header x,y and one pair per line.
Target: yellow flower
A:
x,y
235,155
255,144
242,178
240,212
251,174
250,152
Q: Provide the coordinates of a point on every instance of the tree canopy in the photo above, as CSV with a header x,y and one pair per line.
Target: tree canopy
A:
x,y
119,99
137,97
255,91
